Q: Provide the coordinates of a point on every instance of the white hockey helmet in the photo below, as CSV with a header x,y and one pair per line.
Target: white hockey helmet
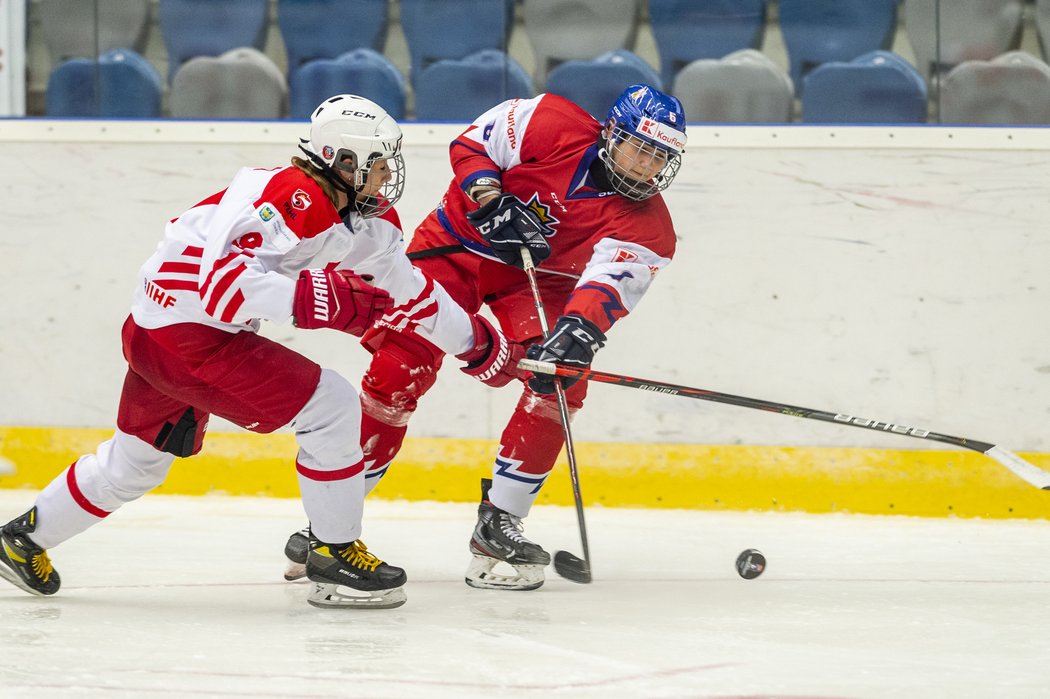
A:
x,y
349,126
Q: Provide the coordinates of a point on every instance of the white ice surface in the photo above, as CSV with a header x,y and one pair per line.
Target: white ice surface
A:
x,y
178,596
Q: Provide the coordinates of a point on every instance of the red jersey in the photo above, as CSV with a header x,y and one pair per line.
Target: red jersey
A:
x,y
543,150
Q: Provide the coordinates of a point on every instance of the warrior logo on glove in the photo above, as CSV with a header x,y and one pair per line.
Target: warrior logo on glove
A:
x,y
338,299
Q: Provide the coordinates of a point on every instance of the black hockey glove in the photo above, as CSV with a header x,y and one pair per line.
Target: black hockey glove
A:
x,y
507,225
573,343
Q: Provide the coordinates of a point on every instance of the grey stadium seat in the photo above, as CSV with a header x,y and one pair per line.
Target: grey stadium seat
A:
x,y
744,87
562,30
239,84
67,27
1042,26
1010,89
970,30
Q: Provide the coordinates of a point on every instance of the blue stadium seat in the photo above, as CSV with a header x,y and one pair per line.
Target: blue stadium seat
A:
x,y
595,84
360,72
314,29
120,84
460,90
208,28
71,89
818,31
877,88
440,29
688,30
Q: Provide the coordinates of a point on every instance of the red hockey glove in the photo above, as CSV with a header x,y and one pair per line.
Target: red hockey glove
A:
x,y
572,342
338,299
494,360
507,225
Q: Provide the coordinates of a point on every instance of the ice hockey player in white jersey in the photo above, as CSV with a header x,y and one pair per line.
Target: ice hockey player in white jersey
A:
x,y
318,244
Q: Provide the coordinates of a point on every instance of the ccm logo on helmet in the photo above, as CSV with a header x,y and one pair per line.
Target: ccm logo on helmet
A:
x,y
672,138
354,113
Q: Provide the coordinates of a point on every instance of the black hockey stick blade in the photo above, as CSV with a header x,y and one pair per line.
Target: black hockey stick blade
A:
x,y
572,567
1022,469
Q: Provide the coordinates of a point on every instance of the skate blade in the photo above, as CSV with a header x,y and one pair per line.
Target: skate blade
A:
x,y
294,571
332,596
481,575
12,577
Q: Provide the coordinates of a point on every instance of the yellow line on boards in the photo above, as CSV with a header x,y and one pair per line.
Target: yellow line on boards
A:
x,y
708,477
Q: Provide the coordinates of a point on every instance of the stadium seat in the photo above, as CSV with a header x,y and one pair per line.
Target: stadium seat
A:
x,y
194,28
440,29
877,88
562,30
121,83
360,72
689,30
1013,88
64,25
1042,26
240,84
460,90
744,87
313,29
818,31
595,84
966,30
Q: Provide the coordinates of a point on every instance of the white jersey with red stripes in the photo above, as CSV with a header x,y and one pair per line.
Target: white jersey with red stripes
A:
x,y
234,258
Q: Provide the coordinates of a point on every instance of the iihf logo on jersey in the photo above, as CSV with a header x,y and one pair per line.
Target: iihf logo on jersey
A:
x,y
543,213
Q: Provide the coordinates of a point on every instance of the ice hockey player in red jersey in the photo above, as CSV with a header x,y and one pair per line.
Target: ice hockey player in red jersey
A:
x,y
584,198
316,243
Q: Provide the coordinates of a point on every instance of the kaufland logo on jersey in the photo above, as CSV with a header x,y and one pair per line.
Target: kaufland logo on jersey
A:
x,y
661,133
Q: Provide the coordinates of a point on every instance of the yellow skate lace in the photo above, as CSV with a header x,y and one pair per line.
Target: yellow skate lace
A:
x,y
42,567
356,554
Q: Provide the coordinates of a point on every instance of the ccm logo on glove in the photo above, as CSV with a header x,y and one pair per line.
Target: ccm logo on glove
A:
x,y
572,342
338,299
507,225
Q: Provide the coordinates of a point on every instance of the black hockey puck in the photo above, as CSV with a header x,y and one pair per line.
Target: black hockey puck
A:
x,y
750,564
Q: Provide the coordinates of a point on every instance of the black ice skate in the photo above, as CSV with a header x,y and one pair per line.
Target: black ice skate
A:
x,y
347,575
498,537
23,562
296,551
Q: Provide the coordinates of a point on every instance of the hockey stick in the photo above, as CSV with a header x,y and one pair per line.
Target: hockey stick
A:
x,y
565,564
1021,468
